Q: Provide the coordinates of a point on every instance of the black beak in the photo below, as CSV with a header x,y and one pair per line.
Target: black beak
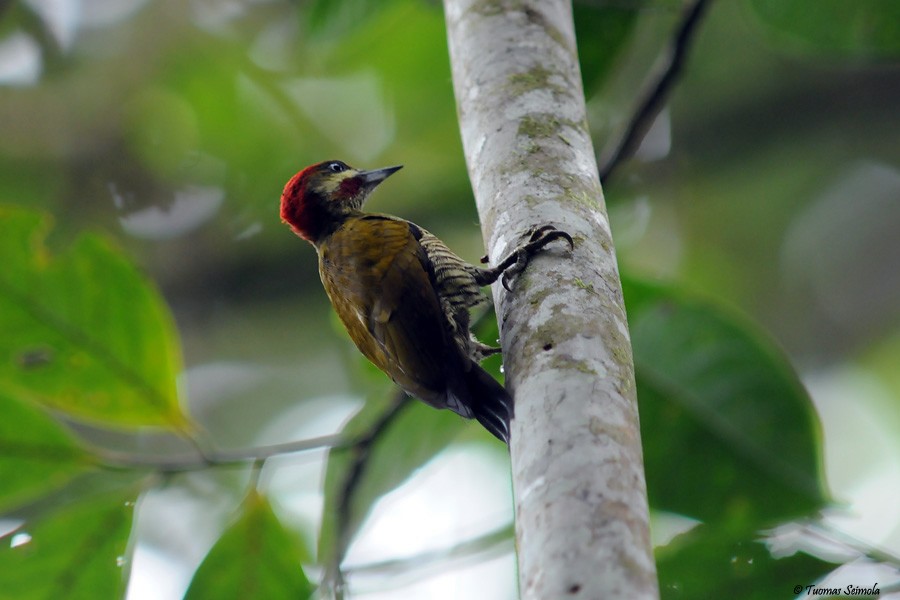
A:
x,y
373,178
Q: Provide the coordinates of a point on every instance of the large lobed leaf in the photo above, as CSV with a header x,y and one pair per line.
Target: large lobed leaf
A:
x,y
84,333
729,433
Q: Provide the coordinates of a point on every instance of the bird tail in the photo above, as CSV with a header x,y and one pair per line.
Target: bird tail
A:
x,y
489,401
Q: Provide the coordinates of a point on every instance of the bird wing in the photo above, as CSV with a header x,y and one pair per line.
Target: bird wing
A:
x,y
382,286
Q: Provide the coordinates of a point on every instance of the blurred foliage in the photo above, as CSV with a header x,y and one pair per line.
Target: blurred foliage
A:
x,y
79,550
866,29
734,566
39,454
84,333
713,391
170,127
602,31
255,558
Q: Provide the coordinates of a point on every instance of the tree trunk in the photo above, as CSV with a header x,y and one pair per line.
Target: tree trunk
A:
x,y
581,504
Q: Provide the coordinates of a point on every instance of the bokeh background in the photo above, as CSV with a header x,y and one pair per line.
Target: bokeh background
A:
x,y
769,184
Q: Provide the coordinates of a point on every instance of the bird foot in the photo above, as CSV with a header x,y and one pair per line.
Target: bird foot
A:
x,y
540,237
481,351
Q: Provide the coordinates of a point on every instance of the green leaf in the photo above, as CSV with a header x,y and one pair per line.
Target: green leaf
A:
x,y
729,432
37,454
84,333
255,558
712,562
602,31
859,29
407,434
76,552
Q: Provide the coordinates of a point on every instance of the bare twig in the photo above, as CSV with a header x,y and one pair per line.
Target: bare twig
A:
x,y
205,456
432,562
113,459
822,530
658,93
359,461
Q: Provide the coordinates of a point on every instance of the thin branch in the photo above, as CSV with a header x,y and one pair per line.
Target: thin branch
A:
x,y
657,95
432,562
829,533
116,460
204,458
255,472
355,471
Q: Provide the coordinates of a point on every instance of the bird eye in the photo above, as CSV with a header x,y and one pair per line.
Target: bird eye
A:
x,y
337,167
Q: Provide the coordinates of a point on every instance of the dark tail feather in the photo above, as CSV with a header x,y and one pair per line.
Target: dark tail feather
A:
x,y
491,404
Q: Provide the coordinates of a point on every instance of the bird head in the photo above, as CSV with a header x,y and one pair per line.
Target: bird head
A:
x,y
317,199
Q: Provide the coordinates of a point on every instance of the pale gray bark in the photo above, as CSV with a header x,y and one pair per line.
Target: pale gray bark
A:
x,y
581,506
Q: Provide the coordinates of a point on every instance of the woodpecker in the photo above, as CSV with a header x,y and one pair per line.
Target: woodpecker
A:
x,y
402,295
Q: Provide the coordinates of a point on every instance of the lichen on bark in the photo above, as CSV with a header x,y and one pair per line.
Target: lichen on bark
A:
x,y
581,507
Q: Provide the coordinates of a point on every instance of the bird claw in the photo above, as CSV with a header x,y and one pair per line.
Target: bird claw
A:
x,y
536,232
522,256
481,351
540,237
